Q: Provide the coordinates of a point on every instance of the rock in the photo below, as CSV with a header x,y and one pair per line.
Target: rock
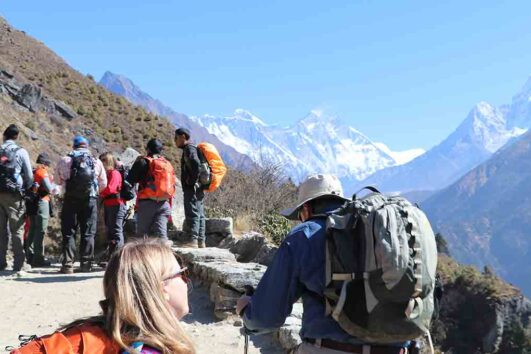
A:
x,y
219,226
128,157
231,275
64,110
265,254
289,337
177,212
192,255
224,301
30,96
247,247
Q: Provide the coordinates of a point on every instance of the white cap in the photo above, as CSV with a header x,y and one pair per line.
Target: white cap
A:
x,y
314,187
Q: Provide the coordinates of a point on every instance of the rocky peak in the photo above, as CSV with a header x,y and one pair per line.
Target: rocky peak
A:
x,y
245,115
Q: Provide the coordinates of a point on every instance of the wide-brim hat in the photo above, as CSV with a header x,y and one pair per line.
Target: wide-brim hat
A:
x,y
315,186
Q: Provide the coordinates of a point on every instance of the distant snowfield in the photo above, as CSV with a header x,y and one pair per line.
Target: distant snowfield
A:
x,y
315,144
401,157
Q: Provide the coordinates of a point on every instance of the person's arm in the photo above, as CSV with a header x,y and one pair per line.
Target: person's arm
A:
x,y
63,170
27,172
101,175
193,162
276,293
47,185
138,171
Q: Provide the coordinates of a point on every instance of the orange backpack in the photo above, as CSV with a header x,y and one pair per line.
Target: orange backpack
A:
x,y
160,182
215,163
84,339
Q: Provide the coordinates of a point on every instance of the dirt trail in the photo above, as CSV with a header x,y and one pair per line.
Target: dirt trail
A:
x,y
41,300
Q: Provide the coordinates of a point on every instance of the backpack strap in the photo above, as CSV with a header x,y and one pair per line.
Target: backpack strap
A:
x,y
370,188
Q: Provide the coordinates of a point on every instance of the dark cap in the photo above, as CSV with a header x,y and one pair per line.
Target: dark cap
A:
x,y
154,146
183,131
44,159
11,132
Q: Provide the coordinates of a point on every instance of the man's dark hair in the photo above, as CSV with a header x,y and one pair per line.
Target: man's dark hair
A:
x,y
11,132
183,131
154,146
322,205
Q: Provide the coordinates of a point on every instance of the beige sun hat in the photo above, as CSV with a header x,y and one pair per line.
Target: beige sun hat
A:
x,y
313,187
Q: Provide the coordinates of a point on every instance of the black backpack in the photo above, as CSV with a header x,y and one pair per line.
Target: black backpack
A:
x,y
8,166
82,175
127,192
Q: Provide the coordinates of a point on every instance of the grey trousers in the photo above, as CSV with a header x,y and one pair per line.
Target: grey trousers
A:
x,y
152,218
38,226
114,225
12,213
194,212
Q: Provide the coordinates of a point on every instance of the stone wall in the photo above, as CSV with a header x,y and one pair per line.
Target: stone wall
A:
x,y
226,277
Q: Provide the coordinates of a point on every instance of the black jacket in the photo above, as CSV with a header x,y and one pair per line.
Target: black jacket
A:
x,y
139,171
190,162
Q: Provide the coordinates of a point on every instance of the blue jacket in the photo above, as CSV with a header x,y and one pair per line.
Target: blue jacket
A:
x,y
297,270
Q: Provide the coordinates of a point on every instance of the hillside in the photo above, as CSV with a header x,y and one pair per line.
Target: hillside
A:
x,y
486,215
53,102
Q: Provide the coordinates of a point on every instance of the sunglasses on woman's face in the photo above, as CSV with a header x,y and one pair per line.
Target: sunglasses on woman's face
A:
x,y
180,273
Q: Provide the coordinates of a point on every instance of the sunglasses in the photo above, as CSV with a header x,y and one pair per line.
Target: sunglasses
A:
x,y
183,274
180,273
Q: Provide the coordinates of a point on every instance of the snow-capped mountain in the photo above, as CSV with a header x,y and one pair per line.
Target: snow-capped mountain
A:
x,y
123,86
481,134
316,143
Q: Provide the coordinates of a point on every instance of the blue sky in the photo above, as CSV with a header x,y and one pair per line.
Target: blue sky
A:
x,y
405,73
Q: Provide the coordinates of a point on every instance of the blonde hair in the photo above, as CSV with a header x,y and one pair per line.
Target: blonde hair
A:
x,y
108,160
135,309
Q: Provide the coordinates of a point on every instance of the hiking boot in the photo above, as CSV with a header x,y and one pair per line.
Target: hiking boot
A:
x,y
202,244
86,267
191,244
67,269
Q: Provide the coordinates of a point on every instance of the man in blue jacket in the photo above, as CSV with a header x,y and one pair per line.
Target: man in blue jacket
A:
x,y
298,272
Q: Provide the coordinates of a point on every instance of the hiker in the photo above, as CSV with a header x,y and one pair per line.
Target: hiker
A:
x,y
298,271
146,296
16,177
82,177
156,187
38,209
114,206
193,191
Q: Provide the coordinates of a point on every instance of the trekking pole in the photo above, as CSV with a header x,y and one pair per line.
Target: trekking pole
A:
x,y
249,291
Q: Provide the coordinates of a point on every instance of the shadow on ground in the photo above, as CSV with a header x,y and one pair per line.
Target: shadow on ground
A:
x,y
48,275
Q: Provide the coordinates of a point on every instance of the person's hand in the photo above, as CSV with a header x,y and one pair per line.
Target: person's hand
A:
x,y
242,304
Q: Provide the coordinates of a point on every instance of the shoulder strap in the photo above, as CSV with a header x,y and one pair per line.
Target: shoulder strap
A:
x,y
370,188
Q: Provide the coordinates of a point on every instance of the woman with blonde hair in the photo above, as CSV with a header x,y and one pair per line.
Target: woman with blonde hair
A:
x,y
114,206
145,297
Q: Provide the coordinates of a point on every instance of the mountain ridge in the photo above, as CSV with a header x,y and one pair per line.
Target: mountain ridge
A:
x,y
125,87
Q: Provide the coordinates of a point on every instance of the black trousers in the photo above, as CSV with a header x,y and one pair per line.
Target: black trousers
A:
x,y
82,213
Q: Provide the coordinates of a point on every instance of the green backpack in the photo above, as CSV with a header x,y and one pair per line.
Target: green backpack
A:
x,y
381,260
